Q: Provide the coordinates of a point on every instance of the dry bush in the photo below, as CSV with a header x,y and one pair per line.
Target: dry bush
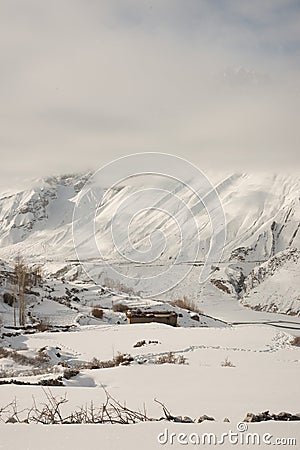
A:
x,y
119,307
4,353
19,358
296,341
43,325
117,286
186,303
52,412
227,363
111,411
96,363
170,358
123,359
97,312
46,382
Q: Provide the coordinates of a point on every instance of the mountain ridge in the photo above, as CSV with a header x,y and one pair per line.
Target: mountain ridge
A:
x,y
262,220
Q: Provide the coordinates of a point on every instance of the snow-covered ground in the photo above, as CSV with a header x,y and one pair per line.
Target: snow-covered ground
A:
x,y
140,436
264,377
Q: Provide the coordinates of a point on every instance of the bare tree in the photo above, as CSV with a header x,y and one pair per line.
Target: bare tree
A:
x,y
20,276
24,278
37,275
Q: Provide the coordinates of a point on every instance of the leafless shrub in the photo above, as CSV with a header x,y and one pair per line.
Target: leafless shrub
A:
x,y
4,353
117,286
119,359
42,364
170,417
53,412
45,382
227,363
19,358
30,372
186,303
96,363
170,358
122,359
97,312
43,325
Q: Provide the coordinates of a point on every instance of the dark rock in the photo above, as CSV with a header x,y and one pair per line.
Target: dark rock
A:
x,y
140,344
11,420
195,317
287,416
8,298
265,416
250,418
205,417
187,419
70,373
283,416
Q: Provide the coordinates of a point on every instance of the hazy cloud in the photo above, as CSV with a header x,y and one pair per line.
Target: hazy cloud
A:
x,y
82,82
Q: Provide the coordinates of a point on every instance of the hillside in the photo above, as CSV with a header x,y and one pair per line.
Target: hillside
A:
x,y
147,230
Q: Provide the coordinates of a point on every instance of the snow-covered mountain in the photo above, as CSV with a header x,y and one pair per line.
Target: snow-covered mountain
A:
x,y
141,232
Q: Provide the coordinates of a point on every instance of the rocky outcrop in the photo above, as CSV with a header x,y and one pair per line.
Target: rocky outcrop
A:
x,y
266,416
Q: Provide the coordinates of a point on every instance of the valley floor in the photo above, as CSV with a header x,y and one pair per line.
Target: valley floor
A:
x,y
264,376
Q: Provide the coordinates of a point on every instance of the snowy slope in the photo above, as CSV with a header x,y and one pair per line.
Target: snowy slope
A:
x,y
262,218
262,215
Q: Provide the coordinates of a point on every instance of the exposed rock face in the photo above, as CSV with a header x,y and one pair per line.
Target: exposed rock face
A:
x,y
28,211
223,285
273,286
268,269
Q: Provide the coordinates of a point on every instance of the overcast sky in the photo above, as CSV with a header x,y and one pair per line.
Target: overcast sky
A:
x,y
85,81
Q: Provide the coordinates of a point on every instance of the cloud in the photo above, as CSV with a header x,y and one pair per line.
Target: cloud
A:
x,y
84,82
